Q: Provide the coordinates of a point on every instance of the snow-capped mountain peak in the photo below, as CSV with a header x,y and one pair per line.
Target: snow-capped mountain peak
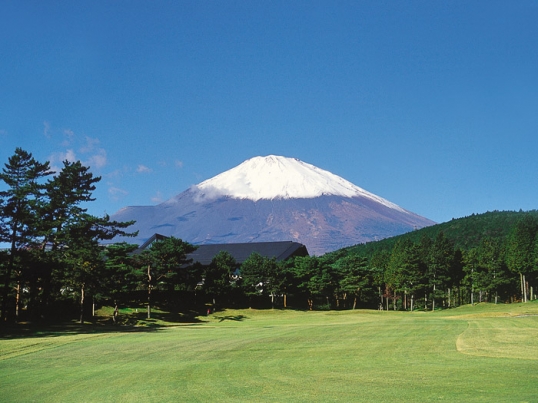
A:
x,y
276,177
269,199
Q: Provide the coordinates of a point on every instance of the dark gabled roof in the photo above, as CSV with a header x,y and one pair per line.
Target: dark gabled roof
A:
x,y
241,251
150,240
204,254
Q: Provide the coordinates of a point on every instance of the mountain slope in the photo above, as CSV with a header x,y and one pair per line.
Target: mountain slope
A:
x,y
275,199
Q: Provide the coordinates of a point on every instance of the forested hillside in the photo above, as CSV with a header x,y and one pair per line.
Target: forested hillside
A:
x,y
465,233
484,257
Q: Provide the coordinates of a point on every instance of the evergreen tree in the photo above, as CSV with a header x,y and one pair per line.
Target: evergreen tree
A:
x,y
120,275
470,268
424,248
81,270
440,266
394,276
520,250
161,264
378,265
456,278
354,278
19,224
72,235
404,272
170,258
66,191
492,261
262,276
313,275
218,277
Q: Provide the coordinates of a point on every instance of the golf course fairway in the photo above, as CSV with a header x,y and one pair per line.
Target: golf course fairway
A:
x,y
483,353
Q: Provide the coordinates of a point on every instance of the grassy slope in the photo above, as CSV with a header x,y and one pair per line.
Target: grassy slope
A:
x,y
482,353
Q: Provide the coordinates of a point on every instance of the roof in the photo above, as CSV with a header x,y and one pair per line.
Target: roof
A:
x,y
241,251
149,241
204,254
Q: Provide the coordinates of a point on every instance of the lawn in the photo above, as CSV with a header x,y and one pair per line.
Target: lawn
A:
x,y
485,353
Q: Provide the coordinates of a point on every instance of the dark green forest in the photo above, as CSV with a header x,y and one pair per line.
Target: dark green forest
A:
x,y
57,264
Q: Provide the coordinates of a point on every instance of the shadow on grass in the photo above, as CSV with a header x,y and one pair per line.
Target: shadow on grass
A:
x,y
136,322
237,318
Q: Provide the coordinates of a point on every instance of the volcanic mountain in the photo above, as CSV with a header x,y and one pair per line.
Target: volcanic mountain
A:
x,y
274,199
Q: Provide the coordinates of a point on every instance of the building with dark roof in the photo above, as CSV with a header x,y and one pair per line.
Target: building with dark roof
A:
x,y
204,254
149,241
241,251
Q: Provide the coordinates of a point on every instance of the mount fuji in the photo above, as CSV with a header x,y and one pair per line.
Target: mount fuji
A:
x,y
274,198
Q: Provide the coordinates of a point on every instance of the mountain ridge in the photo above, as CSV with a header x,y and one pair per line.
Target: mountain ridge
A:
x,y
228,209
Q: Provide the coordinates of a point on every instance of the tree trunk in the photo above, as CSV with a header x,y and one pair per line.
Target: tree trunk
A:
x,y
354,303
115,315
149,302
7,278
433,298
18,300
285,301
522,286
381,298
82,304
149,291
525,286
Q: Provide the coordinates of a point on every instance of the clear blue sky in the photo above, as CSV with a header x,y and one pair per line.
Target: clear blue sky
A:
x,y
432,105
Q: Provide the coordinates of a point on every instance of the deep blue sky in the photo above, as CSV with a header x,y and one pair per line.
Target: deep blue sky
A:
x,y
432,105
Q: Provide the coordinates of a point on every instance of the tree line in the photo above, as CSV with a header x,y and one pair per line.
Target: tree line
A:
x,y
490,264
55,262
427,274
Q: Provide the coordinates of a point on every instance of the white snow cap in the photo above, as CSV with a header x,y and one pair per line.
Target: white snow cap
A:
x,y
275,177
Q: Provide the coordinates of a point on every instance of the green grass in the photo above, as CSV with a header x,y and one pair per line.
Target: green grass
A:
x,y
485,353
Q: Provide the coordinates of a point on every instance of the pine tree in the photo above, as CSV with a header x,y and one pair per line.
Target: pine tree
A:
x,y
19,224
218,277
161,264
120,275
72,237
354,277
263,276
440,264
520,250
491,261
